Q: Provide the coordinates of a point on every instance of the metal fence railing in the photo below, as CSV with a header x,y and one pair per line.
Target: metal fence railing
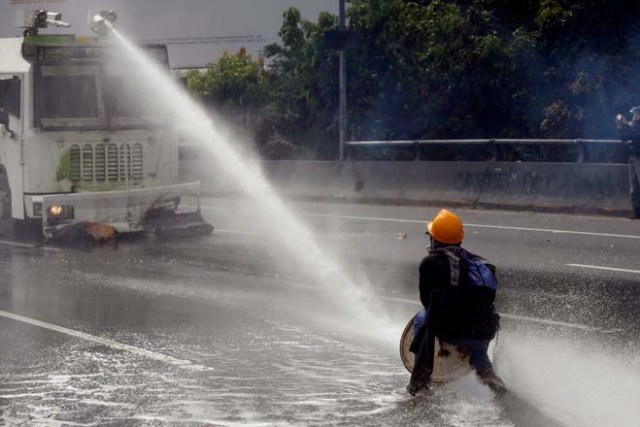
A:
x,y
559,150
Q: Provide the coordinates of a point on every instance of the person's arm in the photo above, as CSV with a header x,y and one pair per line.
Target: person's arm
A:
x,y
625,129
433,274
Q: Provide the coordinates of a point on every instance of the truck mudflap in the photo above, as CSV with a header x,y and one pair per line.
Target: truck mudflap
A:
x,y
169,225
167,211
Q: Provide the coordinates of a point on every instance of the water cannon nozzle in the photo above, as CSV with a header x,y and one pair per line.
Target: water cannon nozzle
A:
x,y
55,19
101,21
54,16
56,23
33,20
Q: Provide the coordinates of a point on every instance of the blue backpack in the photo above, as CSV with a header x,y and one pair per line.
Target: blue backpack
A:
x,y
480,272
466,308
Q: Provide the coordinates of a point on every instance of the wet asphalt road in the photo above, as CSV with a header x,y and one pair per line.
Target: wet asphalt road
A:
x,y
228,330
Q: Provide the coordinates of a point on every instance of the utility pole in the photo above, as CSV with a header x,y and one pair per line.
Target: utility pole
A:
x,y
343,85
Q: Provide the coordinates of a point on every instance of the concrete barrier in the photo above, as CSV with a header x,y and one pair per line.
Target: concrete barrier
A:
x,y
566,187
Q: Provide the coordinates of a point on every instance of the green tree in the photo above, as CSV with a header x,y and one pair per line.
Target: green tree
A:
x,y
235,86
304,74
441,69
585,54
431,70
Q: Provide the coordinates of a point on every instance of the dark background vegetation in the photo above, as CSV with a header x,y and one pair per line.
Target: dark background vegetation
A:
x,y
436,69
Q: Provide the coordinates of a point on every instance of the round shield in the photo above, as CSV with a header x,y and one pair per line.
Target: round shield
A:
x,y
450,362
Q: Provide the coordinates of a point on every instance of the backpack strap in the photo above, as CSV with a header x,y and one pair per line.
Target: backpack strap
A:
x,y
454,265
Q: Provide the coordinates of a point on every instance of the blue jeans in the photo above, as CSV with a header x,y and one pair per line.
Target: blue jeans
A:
x,y
479,358
419,321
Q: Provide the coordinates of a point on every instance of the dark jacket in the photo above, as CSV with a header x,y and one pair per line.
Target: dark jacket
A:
x,y
456,312
631,132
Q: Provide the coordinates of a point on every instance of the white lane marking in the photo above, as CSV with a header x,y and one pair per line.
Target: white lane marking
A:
x,y
500,227
515,317
103,341
597,267
548,230
552,322
246,233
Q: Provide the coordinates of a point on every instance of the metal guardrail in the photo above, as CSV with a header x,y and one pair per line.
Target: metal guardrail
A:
x,y
581,145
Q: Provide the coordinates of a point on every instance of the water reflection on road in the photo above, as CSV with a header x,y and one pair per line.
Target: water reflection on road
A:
x,y
263,345
255,357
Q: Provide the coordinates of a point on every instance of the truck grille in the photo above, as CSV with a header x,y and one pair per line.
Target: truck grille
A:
x,y
106,163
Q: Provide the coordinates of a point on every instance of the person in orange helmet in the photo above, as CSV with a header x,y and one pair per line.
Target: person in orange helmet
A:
x,y
457,290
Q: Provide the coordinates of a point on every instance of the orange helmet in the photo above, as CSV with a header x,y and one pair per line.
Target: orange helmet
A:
x,y
446,227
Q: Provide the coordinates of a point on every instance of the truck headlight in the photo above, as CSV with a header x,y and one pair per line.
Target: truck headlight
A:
x,y
60,211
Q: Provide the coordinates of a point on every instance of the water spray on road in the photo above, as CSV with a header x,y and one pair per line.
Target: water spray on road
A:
x,y
580,381
536,373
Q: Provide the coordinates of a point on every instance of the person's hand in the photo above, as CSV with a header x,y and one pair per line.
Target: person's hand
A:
x,y
620,121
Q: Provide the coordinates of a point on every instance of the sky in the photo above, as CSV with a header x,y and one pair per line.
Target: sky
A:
x,y
196,31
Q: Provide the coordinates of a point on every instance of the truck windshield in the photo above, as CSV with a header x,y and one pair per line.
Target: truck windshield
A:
x,y
69,96
123,103
90,95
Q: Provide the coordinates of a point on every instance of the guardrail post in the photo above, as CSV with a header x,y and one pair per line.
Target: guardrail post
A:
x,y
582,151
496,150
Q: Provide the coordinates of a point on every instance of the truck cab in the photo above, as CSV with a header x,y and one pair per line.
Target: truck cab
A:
x,y
78,146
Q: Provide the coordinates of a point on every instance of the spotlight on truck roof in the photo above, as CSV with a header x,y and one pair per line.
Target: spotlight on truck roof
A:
x,y
101,20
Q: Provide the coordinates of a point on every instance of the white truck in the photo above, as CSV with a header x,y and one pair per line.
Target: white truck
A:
x,y
76,149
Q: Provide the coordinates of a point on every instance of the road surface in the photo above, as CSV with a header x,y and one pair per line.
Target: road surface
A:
x,y
230,330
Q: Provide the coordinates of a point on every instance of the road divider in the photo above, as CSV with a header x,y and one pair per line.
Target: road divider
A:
x,y
561,187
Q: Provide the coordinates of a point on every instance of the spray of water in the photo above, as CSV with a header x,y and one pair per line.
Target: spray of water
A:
x,y
581,381
583,386
195,124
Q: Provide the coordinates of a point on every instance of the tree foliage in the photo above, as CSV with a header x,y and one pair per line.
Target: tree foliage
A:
x,y
426,69
304,74
235,82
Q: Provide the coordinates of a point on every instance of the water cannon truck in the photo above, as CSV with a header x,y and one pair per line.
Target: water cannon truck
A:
x,y
76,150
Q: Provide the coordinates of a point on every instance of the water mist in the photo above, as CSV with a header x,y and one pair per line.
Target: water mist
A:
x,y
581,380
195,124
